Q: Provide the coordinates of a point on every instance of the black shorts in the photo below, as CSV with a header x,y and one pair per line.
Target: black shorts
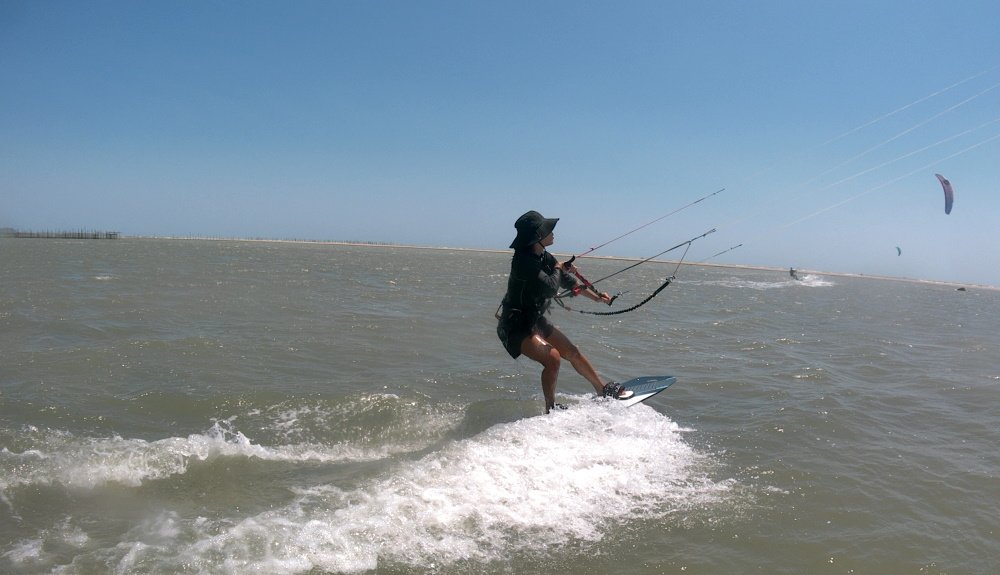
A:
x,y
512,335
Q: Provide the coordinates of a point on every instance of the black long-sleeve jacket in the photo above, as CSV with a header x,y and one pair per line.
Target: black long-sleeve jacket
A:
x,y
534,280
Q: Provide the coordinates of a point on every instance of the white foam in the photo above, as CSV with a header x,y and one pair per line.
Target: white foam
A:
x,y
26,551
517,487
754,285
87,463
31,552
808,280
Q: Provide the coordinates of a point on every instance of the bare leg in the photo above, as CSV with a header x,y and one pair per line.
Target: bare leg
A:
x,y
536,348
580,363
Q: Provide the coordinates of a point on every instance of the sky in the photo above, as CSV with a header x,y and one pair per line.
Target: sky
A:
x,y
438,123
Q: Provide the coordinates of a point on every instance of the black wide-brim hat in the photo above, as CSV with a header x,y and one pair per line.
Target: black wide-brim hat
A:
x,y
531,228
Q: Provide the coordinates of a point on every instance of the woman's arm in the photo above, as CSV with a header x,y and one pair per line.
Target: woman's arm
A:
x,y
570,271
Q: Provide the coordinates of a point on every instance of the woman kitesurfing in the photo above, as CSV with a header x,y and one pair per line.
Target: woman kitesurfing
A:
x,y
535,279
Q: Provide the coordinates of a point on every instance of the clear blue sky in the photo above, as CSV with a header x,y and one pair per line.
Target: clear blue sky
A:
x,y
439,122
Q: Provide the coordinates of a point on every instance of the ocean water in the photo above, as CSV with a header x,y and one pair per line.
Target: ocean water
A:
x,y
182,406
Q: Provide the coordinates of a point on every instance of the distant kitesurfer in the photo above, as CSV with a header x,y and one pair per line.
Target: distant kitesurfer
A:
x,y
791,272
535,278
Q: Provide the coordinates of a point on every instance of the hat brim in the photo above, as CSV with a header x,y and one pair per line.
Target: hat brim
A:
x,y
527,237
546,228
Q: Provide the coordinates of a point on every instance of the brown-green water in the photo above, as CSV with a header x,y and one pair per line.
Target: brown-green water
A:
x,y
246,407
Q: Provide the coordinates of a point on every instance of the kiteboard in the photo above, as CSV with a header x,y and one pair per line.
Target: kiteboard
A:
x,y
645,387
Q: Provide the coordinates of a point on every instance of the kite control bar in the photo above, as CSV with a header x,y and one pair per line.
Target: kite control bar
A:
x,y
586,282
590,285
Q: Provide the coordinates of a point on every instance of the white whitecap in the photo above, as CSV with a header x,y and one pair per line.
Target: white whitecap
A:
x,y
531,484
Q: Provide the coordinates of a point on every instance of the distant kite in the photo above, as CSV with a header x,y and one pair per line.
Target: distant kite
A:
x,y
899,252
949,195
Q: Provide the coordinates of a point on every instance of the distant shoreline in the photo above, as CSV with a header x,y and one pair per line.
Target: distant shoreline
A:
x,y
614,258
